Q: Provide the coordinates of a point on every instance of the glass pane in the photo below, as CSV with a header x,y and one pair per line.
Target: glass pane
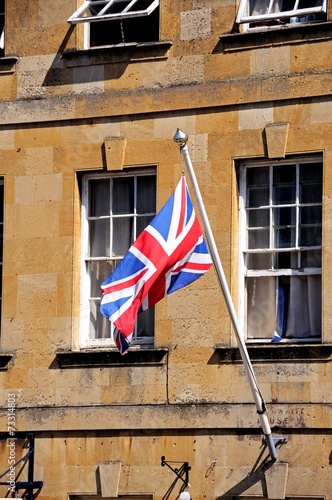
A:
x,y
259,218
311,215
258,176
257,7
100,327
122,235
284,5
311,258
1,202
284,237
286,260
142,223
99,271
311,236
284,216
258,197
123,196
99,238
284,184
311,183
146,194
258,238
261,306
306,4
99,196
145,324
141,5
259,261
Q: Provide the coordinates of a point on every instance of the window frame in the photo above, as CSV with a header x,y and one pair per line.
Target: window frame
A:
x,y
293,15
85,310
2,30
244,249
79,17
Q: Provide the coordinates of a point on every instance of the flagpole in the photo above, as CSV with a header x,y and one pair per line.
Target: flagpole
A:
x,y
181,138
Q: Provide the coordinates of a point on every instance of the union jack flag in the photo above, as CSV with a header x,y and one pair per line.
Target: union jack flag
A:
x,y
169,254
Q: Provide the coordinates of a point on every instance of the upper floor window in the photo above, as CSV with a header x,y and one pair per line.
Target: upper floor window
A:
x,y
1,238
265,13
112,22
281,249
2,28
115,209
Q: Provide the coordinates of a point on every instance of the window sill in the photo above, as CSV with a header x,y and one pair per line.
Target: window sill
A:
x,y
7,65
111,357
4,360
117,53
290,33
283,353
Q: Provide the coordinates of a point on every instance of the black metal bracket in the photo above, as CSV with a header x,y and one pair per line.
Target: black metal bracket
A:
x,y
30,484
184,469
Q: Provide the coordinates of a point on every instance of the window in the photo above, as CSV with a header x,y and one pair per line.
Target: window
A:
x,y
112,22
1,238
2,28
281,249
260,13
116,208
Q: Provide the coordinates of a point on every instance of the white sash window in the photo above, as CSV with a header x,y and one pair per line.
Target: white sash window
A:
x,y
281,250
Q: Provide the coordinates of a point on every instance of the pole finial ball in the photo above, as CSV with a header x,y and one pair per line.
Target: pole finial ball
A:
x,y
180,137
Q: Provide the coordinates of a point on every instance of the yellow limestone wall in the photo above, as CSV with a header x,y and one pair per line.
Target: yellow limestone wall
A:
x,y
59,113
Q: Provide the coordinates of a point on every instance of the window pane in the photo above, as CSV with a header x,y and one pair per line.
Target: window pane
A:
x,y
311,183
145,324
259,261
100,327
142,223
258,238
99,238
259,218
311,258
261,306
99,271
311,215
146,199
122,235
284,237
258,7
311,236
99,193
286,260
258,197
258,176
284,184
123,196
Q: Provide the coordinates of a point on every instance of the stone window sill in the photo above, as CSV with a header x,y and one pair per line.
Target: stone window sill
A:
x,y
282,353
291,33
111,357
117,53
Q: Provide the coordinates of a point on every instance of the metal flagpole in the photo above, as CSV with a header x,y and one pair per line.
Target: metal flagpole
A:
x,y
181,138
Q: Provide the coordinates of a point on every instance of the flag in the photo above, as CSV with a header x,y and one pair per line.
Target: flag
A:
x,y
169,254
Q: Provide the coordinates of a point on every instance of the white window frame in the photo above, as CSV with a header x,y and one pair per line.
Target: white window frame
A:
x,y
2,31
295,15
84,329
83,15
244,248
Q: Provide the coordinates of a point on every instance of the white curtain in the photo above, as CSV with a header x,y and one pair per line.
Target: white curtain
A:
x,y
293,313
305,305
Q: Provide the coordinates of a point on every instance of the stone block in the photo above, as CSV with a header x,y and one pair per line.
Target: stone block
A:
x,y
276,480
109,475
114,149
276,135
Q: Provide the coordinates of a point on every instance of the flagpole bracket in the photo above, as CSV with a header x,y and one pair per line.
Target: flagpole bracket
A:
x,y
273,442
179,471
